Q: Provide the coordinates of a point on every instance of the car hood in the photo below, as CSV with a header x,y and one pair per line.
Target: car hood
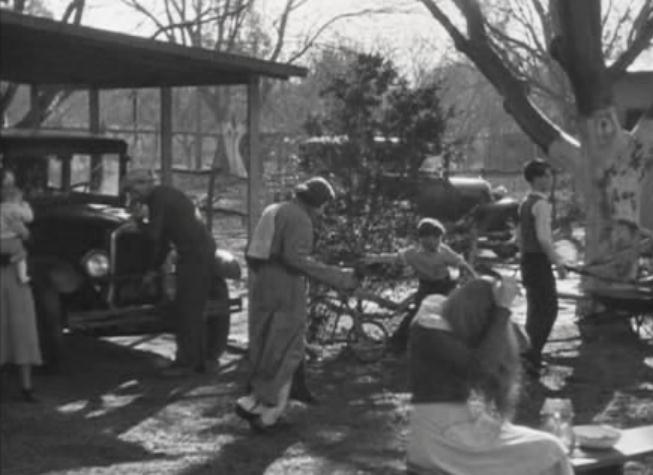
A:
x,y
109,214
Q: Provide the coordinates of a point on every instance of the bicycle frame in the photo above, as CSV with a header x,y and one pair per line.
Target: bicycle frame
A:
x,y
366,337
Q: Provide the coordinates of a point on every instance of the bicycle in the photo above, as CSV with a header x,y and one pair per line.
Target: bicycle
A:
x,y
362,319
340,317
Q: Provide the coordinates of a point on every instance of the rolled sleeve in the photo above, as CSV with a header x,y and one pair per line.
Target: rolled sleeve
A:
x,y
451,257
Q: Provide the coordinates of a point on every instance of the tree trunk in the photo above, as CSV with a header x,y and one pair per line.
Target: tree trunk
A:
x,y
609,165
612,170
613,162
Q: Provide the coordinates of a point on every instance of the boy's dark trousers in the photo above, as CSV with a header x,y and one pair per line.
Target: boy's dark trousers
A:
x,y
399,340
541,302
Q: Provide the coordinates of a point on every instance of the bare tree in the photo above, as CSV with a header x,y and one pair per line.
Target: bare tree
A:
x,y
46,99
234,26
522,31
608,162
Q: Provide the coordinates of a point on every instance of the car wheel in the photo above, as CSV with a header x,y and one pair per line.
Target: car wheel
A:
x,y
218,325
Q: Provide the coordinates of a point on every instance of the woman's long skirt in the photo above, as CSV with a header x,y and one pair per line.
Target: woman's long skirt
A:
x,y
19,341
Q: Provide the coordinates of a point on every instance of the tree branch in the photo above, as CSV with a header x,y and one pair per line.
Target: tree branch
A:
x,y
641,42
76,7
645,12
504,38
136,5
545,21
527,22
611,43
471,10
455,34
281,30
184,25
529,117
310,41
238,19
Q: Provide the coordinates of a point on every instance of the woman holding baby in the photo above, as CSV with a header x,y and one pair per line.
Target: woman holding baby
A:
x,y
19,342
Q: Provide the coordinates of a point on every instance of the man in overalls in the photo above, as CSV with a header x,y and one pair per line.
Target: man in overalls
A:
x,y
172,219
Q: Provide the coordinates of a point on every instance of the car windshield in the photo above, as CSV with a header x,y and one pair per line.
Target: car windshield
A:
x,y
97,174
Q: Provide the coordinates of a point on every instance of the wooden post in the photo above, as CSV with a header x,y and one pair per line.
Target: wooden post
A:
x,y
94,127
198,130
166,135
255,168
255,172
34,100
33,95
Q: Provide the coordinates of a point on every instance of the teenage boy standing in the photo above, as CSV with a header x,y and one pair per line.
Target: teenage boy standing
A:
x,y
538,257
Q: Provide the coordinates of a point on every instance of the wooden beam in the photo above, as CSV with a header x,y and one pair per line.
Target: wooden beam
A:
x,y
166,135
94,127
255,169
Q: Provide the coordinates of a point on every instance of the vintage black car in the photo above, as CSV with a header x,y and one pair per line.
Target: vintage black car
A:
x,y
473,214
86,256
472,211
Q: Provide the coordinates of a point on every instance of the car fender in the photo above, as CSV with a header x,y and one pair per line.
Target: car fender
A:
x,y
226,265
56,273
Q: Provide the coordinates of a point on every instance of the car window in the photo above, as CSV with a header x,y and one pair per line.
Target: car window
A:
x,y
80,172
31,173
111,175
103,180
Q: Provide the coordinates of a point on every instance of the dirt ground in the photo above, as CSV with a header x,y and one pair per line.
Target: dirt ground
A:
x,y
109,413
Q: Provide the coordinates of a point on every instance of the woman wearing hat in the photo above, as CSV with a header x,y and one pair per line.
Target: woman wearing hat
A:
x,y
280,259
430,261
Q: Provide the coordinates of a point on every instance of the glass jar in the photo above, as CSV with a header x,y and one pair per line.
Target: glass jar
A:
x,y
557,417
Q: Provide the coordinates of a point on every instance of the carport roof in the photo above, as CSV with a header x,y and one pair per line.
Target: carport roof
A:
x,y
37,50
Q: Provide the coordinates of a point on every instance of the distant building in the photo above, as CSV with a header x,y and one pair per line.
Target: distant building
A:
x,y
633,95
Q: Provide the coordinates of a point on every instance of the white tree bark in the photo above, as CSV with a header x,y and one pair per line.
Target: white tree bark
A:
x,y
614,166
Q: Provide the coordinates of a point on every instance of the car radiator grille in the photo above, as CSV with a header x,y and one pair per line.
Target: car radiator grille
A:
x,y
131,259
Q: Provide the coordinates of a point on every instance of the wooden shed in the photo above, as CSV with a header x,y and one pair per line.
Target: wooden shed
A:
x,y
40,52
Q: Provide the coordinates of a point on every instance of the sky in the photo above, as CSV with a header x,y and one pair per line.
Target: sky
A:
x,y
407,38
413,40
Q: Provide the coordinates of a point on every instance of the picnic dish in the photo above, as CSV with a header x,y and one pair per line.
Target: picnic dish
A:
x,y
596,436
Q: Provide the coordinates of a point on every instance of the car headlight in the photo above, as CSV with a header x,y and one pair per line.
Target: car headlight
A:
x,y
96,263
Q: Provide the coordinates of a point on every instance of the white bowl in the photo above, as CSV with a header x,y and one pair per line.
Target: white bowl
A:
x,y
596,436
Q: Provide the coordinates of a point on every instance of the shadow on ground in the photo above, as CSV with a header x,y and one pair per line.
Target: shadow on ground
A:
x,y
110,414
603,367
358,427
104,391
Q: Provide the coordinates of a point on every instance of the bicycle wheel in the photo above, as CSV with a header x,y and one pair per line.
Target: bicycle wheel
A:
x,y
323,321
367,341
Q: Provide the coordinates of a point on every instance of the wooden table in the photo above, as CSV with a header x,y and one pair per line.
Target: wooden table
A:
x,y
633,443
